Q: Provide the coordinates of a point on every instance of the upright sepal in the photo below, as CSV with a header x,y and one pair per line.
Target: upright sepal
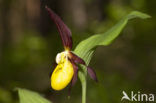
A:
x,y
64,31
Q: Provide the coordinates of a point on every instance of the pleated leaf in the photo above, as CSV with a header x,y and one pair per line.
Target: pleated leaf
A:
x,y
86,47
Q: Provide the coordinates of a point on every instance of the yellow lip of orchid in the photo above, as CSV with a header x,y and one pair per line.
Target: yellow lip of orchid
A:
x,y
66,70
63,72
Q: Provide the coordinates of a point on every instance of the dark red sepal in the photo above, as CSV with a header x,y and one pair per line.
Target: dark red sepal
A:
x,y
92,74
64,31
74,79
76,59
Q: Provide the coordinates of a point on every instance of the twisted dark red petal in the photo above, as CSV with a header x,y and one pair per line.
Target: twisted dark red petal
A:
x,y
74,79
64,31
92,74
76,59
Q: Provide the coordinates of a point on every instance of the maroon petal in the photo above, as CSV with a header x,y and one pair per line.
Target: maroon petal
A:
x,y
75,73
76,59
92,74
64,31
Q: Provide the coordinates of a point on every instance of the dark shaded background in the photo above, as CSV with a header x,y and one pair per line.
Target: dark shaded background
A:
x,y
29,42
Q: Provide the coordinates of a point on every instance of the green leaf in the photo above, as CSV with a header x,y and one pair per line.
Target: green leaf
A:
x,y
27,96
86,48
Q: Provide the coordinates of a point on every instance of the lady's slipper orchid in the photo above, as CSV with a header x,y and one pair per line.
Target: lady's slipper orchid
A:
x,y
66,70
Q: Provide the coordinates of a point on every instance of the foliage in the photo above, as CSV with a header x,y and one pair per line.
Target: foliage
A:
x,y
27,96
87,47
85,50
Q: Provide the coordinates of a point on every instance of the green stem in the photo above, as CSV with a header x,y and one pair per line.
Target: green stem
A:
x,y
84,85
82,77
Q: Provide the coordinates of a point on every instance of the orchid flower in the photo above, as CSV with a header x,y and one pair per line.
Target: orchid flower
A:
x,y
66,70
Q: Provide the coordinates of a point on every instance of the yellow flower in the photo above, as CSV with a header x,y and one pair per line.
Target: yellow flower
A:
x,y
66,69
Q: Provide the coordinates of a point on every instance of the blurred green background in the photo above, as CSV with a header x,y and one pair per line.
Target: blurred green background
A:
x,y
29,42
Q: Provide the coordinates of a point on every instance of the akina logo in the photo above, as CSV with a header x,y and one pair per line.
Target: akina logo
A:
x,y
138,97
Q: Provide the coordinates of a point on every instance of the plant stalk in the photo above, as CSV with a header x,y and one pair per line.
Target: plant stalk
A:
x,y
82,76
84,89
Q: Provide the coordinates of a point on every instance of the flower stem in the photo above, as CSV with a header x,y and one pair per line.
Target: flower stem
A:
x,y
82,77
84,85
